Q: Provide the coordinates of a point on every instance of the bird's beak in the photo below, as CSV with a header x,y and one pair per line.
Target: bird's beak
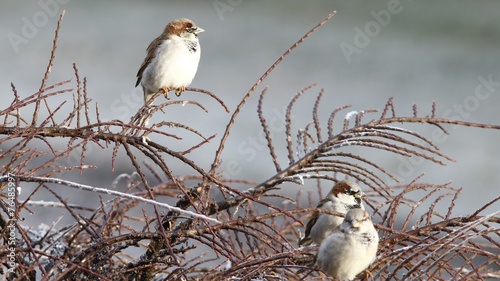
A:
x,y
199,30
356,223
357,196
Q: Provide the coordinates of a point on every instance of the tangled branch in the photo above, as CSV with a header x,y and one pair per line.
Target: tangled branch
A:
x,y
204,226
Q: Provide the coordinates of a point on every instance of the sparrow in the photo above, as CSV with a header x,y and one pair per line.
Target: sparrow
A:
x,y
343,196
350,248
172,59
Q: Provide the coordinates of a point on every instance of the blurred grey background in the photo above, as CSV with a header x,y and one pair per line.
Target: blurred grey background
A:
x,y
414,51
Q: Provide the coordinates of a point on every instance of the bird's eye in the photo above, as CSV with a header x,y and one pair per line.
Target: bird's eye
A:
x,y
191,29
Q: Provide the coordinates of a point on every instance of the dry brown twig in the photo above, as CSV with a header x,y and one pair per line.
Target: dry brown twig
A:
x,y
248,234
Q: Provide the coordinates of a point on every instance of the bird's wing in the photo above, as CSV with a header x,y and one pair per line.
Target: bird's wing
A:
x,y
151,53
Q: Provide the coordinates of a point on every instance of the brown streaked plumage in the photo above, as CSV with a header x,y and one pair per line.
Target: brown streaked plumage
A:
x,y
343,196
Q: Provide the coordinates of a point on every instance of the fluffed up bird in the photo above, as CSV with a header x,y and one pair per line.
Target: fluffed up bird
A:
x,y
343,196
349,249
172,59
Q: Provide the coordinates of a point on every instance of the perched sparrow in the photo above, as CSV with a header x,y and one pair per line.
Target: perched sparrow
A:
x,y
350,248
343,196
172,59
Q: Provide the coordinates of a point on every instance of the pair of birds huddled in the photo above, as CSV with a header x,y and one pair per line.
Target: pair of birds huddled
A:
x,y
347,245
